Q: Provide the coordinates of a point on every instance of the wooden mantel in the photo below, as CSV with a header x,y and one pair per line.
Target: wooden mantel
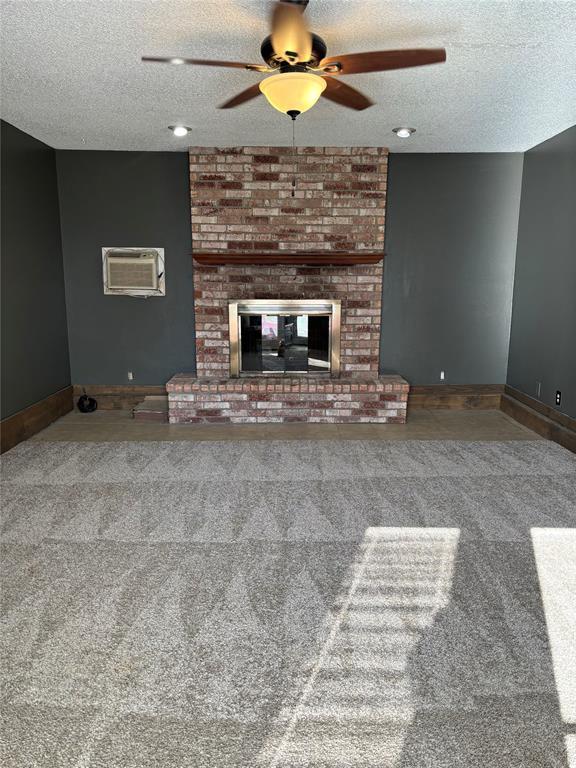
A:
x,y
330,258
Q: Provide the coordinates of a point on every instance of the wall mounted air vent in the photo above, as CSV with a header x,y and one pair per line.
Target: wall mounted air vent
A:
x,y
134,271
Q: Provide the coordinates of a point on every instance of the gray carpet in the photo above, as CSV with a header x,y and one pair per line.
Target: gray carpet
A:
x,y
283,604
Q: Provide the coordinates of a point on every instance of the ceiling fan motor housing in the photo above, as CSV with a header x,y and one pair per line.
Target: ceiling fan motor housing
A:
x,y
273,60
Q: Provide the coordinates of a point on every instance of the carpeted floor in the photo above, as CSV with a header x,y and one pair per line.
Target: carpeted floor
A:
x,y
285,604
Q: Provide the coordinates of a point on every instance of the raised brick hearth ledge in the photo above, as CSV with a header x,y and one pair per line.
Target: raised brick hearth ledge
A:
x,y
287,399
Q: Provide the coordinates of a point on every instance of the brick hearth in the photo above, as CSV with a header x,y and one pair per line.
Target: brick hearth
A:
x,y
242,202
287,399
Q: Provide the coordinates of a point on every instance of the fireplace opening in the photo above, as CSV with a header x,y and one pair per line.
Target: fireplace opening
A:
x,y
290,337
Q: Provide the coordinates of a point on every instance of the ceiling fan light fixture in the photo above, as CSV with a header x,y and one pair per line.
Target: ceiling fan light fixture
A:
x,y
404,133
179,130
293,91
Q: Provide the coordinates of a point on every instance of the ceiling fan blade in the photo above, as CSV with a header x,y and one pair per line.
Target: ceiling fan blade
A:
x,y
345,95
205,62
243,96
291,39
380,61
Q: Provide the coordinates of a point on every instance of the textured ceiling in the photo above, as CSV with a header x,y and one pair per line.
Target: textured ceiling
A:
x,y
72,76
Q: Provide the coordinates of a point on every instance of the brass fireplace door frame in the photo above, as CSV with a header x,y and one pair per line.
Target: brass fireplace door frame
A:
x,y
332,308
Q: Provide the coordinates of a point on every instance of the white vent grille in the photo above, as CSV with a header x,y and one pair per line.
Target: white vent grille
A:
x,y
134,271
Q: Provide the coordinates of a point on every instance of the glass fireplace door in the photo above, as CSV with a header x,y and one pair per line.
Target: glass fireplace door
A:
x,y
284,343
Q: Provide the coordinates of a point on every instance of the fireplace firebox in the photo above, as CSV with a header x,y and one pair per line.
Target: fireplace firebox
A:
x,y
288,336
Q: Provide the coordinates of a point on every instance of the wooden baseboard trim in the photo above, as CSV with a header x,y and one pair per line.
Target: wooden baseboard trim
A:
x,y
540,418
546,410
112,397
456,397
26,423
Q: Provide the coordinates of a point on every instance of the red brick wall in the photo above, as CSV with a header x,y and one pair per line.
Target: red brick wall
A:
x,y
241,200
359,288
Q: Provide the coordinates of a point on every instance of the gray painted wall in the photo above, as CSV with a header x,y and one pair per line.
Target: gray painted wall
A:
x,y
451,228
34,335
543,337
126,199
452,225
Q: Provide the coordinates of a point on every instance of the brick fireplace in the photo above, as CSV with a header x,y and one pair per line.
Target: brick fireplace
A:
x,y
249,224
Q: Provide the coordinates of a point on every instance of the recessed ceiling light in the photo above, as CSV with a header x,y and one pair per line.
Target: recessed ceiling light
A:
x,y
404,133
179,130
177,60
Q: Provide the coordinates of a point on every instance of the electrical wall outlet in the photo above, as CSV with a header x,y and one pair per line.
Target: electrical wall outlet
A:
x,y
558,397
130,376
441,375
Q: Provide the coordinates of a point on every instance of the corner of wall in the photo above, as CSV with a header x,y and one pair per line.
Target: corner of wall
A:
x,y
515,261
57,153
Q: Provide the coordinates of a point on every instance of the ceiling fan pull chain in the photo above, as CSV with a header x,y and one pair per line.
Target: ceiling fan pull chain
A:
x,y
293,114
294,156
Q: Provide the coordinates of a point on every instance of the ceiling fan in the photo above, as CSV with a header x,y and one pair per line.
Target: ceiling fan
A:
x,y
300,71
